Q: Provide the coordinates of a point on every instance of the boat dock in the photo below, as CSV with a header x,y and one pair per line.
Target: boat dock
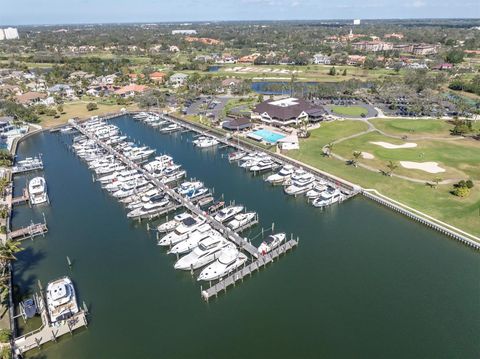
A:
x,y
225,231
31,231
35,165
24,198
48,332
247,270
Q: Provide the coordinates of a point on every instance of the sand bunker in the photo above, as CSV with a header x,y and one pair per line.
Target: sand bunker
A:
x,y
367,156
430,167
391,146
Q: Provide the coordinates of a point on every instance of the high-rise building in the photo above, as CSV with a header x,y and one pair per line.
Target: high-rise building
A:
x,y
9,33
2,35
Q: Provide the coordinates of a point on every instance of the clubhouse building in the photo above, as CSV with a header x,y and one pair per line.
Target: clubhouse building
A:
x,y
288,111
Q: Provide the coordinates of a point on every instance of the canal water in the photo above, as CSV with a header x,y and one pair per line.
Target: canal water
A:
x,y
363,283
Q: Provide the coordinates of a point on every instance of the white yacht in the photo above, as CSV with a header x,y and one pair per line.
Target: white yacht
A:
x,y
182,231
61,299
229,260
236,156
328,197
159,163
300,185
174,223
188,187
281,176
228,213
155,204
204,231
170,128
263,165
241,220
272,242
207,251
197,193
37,189
316,190
205,142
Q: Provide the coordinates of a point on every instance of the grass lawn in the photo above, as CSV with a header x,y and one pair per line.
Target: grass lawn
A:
x,y
331,131
439,203
79,109
408,127
355,111
460,158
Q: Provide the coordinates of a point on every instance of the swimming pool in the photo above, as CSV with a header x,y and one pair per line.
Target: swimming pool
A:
x,y
268,136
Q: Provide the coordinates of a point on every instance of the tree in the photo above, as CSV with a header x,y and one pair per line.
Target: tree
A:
x,y
332,71
60,109
356,156
436,181
344,72
327,149
7,254
454,56
92,106
392,166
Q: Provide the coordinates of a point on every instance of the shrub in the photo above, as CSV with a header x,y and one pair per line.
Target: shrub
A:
x,y
91,106
5,335
461,191
469,183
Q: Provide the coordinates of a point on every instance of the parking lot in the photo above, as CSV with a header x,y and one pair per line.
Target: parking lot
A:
x,y
210,106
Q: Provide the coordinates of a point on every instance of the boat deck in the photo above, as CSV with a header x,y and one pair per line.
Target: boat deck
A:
x,y
31,231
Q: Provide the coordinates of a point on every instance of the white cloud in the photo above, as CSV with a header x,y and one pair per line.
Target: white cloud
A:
x,y
418,3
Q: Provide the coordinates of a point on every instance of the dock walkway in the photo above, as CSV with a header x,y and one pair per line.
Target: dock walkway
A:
x,y
227,232
246,270
48,332
31,231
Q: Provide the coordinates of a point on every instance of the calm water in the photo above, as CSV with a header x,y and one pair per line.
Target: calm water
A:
x,y
364,282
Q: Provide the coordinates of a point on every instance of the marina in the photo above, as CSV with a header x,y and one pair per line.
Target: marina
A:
x,y
330,265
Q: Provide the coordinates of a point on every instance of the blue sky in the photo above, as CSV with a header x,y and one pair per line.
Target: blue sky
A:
x,y
19,12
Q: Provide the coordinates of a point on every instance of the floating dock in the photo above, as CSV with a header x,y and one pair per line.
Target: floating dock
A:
x,y
247,270
225,231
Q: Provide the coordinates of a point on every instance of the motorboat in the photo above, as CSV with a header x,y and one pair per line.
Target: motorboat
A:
x,y
241,220
170,128
207,251
263,165
236,156
204,231
281,176
37,190
316,190
116,176
174,223
215,207
174,177
272,242
151,207
188,187
182,231
205,142
228,213
328,197
61,300
300,185
144,198
159,163
197,193
228,260
128,191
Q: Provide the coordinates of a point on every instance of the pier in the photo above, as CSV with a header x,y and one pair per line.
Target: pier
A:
x,y
24,198
247,270
225,231
31,231
48,332
35,165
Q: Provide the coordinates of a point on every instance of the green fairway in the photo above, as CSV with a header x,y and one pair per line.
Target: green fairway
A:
x,y
459,158
406,127
355,111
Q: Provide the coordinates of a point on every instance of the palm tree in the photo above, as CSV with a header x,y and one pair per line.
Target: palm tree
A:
x,y
7,253
327,149
356,156
392,166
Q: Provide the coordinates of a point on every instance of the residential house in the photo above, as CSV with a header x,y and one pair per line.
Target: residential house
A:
x,y
131,90
30,98
157,76
178,79
321,59
356,60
